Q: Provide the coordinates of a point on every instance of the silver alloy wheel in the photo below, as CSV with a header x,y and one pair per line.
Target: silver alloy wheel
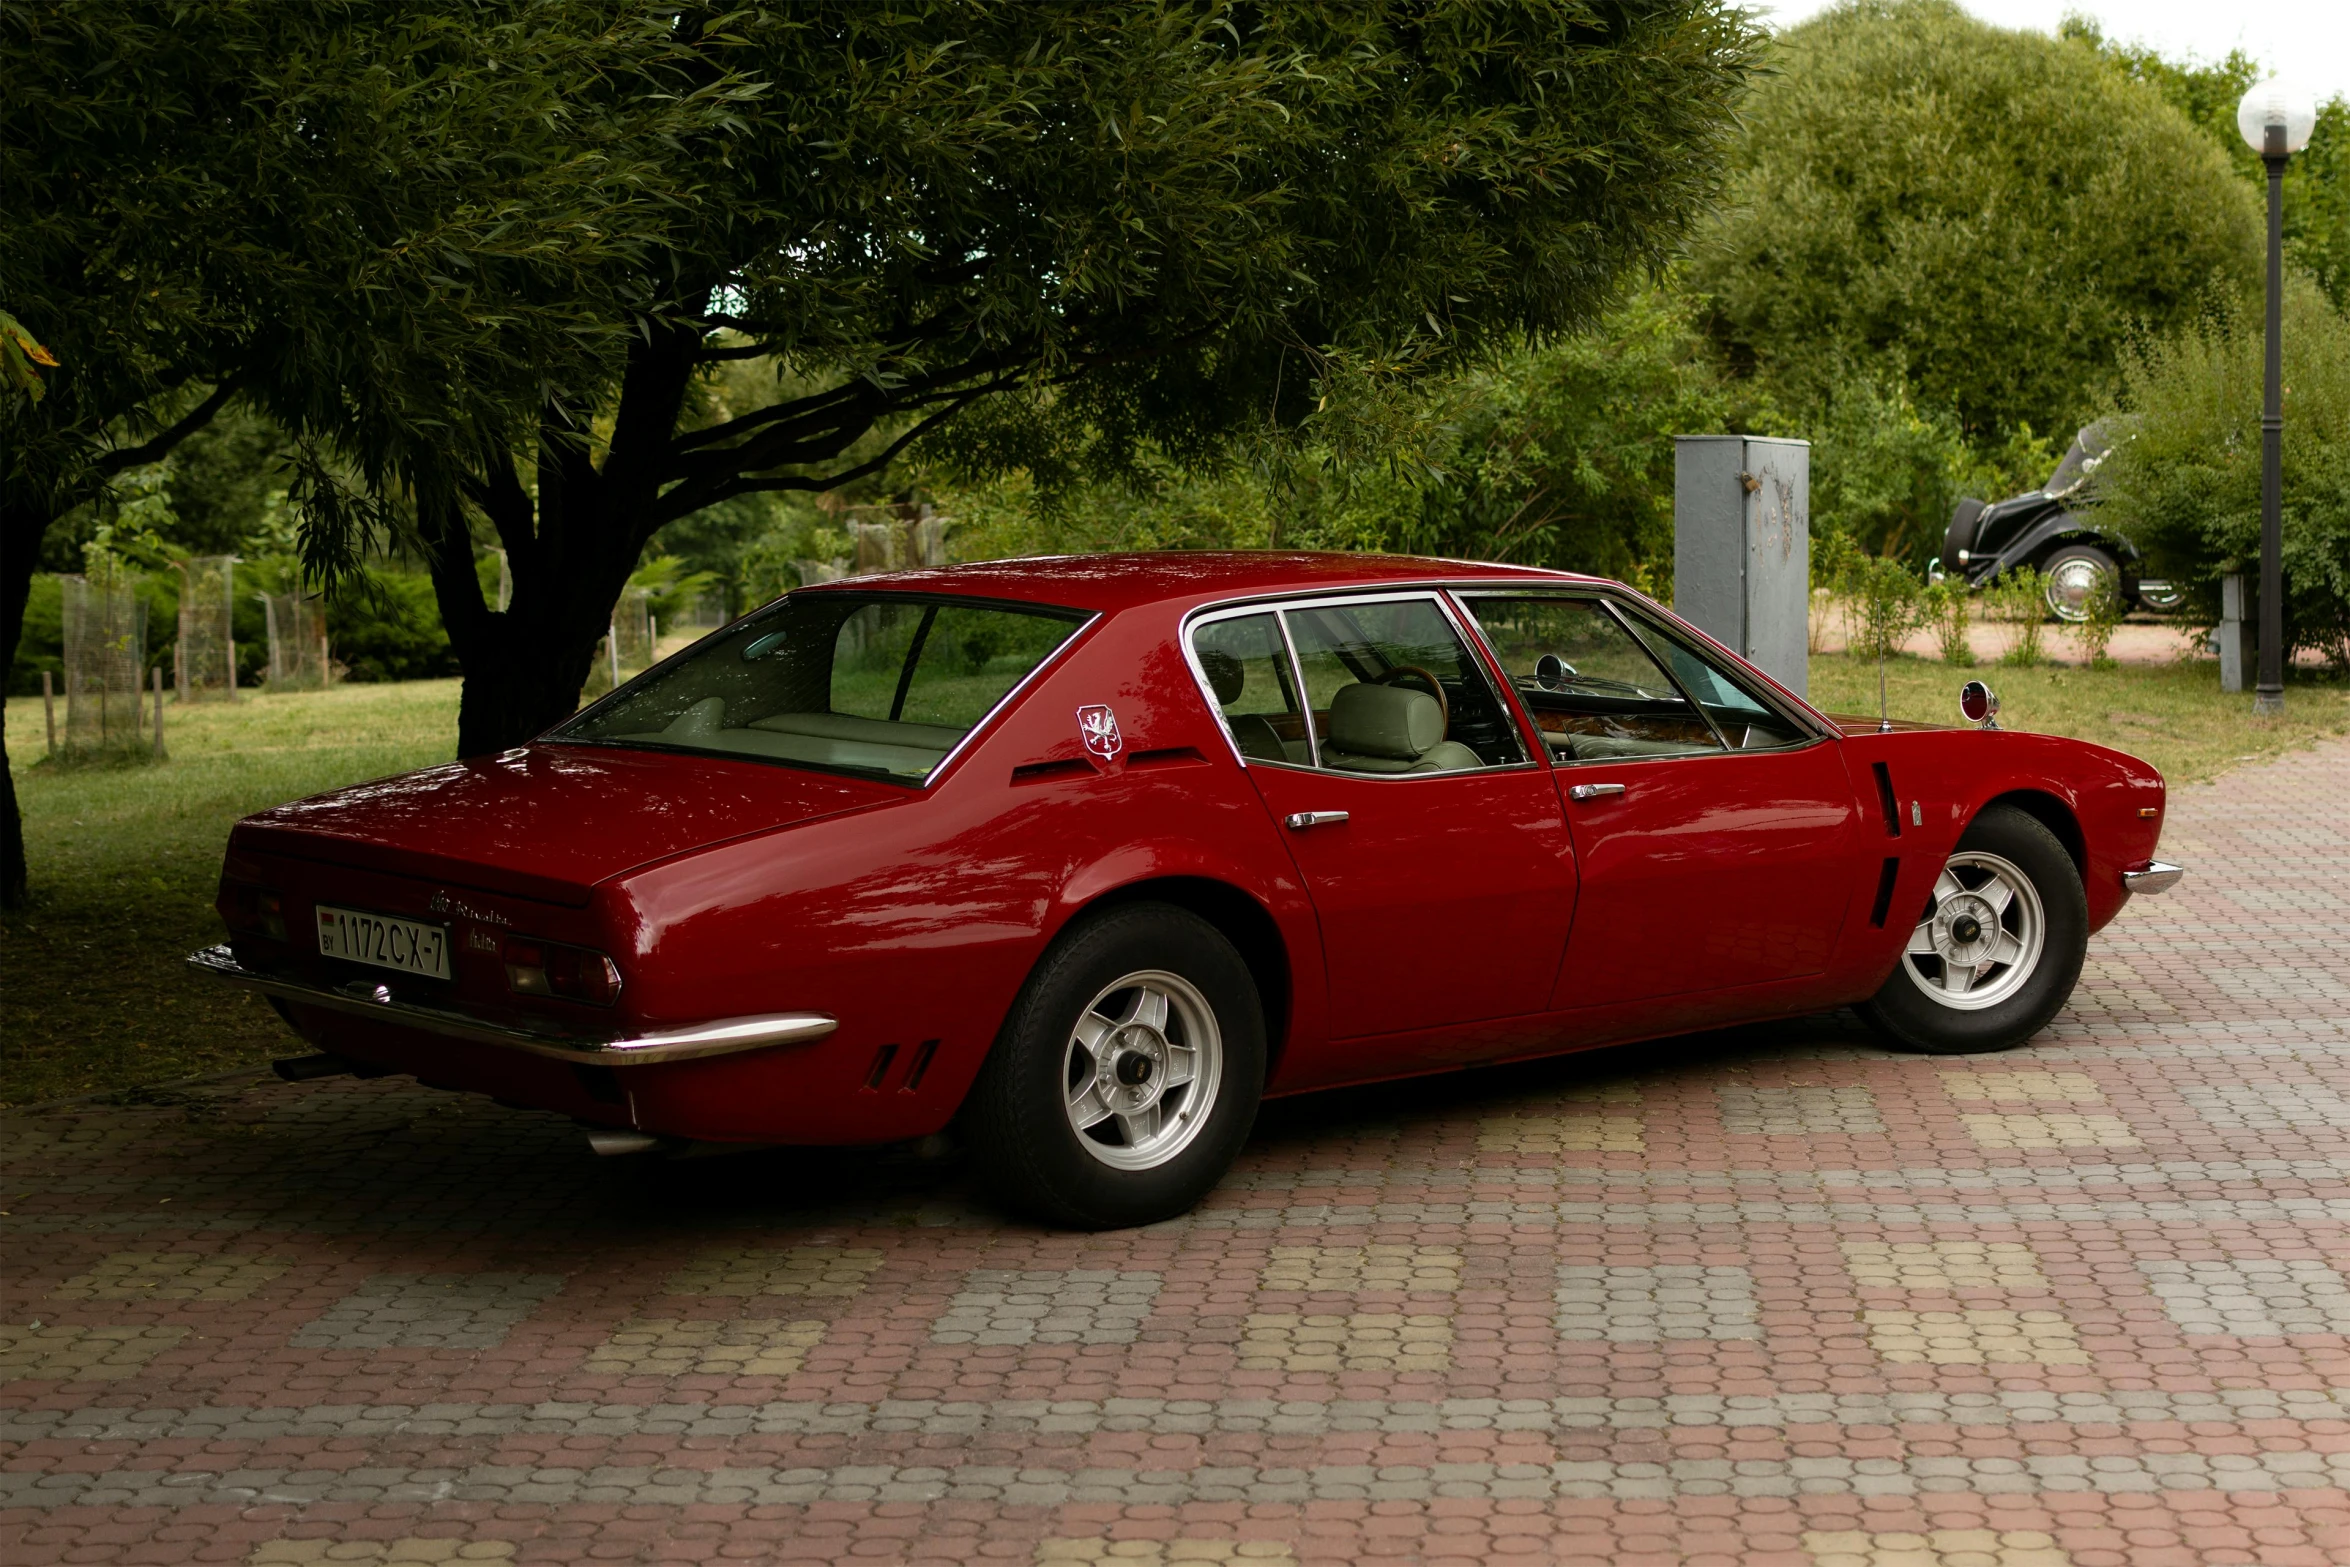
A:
x,y
1142,1070
1982,937
2070,587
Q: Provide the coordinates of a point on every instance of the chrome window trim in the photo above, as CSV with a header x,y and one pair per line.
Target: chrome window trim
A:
x,y
1278,606
365,998
1625,608
1077,630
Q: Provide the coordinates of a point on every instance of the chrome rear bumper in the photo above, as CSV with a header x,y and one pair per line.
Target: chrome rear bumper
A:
x,y
2157,876
726,1036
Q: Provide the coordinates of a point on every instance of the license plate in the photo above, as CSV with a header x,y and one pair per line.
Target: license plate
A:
x,y
406,945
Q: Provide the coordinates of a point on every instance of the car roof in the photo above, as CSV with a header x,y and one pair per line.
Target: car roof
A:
x,y
1112,583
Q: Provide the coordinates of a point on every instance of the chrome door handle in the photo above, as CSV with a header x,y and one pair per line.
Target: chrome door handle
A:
x,y
1593,791
1299,821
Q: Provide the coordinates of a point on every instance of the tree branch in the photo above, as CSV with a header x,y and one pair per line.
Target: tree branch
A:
x,y
158,446
670,509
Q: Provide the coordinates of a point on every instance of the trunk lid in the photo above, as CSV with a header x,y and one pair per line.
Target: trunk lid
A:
x,y
549,822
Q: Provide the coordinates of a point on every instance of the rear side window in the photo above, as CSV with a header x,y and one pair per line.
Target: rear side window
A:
x,y
879,685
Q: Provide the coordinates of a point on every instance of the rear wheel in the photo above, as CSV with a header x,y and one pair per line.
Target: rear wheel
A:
x,y
2073,577
1127,1077
1998,948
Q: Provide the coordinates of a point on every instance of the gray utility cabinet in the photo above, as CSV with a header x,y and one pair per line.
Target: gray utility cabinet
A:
x,y
1742,548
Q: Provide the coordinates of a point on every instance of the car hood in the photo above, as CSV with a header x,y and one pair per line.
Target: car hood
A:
x,y
1870,724
551,821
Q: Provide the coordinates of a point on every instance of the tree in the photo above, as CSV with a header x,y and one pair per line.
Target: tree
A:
x,y
1984,214
2317,180
1081,232
309,205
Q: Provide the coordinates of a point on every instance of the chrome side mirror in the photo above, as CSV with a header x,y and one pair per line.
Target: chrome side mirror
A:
x,y
1551,672
1980,704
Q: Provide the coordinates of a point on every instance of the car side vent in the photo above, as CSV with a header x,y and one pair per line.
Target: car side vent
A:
x,y
880,1072
922,1054
1171,756
1884,904
1046,772
1885,800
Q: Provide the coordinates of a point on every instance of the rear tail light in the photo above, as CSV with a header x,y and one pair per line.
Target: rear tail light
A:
x,y
254,911
547,968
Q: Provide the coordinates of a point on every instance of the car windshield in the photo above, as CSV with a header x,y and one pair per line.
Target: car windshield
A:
x,y
881,685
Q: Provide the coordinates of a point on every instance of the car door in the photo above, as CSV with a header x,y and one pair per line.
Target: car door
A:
x,y
1432,845
1716,834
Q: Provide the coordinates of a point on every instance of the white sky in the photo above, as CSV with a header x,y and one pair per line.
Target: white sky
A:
x,y
2308,40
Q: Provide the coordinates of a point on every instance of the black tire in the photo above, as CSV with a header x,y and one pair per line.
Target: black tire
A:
x,y
2078,556
1025,1142
1908,1017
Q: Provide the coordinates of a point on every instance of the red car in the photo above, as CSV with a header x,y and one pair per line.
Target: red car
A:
x,y
1089,855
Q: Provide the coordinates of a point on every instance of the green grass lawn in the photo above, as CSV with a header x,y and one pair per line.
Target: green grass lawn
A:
x,y
124,861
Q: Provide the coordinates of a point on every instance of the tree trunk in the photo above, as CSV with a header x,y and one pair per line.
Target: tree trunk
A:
x,y
23,523
517,687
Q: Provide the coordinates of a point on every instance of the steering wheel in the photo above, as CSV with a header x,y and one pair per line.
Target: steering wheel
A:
x,y
1435,688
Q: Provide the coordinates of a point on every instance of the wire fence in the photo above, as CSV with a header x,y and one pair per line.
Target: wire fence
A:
x,y
105,664
207,650
298,657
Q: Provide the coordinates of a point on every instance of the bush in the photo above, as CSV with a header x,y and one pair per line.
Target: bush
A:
x,y
1884,603
1949,608
2103,611
2019,599
2185,485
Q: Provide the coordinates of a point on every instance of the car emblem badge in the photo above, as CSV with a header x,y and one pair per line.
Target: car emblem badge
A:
x,y
1097,726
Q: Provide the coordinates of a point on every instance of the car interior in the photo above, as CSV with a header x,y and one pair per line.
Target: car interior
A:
x,y
875,685
1604,685
1389,687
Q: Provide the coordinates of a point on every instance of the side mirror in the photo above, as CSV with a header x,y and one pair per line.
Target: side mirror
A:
x,y
1551,672
1980,704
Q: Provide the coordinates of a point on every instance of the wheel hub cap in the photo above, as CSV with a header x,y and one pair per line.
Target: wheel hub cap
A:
x,y
1131,1073
1965,929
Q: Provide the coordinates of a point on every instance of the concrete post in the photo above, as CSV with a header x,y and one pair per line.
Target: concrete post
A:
x,y
1742,548
2230,636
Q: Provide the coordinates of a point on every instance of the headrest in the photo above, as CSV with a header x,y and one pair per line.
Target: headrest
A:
x,y
1388,721
1225,674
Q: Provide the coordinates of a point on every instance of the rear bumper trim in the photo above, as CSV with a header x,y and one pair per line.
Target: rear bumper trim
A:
x,y
722,1037
2154,876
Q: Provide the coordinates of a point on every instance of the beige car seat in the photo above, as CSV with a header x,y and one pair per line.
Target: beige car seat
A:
x,y
1389,729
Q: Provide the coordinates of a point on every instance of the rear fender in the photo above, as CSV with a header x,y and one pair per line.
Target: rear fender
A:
x,y
1268,918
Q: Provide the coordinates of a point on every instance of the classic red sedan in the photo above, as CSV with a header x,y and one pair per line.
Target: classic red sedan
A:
x,y
1089,855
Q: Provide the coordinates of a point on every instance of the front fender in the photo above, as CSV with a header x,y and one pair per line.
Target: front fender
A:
x,y
1942,779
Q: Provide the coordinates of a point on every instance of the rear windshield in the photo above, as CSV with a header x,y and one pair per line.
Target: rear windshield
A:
x,y
879,685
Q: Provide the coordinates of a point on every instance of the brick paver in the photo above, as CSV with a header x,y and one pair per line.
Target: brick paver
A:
x,y
1770,1297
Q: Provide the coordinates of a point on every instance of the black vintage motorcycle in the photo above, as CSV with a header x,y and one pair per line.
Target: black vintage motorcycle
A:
x,y
2054,529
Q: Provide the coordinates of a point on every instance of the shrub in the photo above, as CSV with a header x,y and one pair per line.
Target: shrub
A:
x,y
1949,608
2018,598
2185,486
2103,608
1884,603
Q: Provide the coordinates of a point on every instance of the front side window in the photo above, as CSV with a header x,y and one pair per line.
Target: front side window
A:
x,y
1746,721
873,684
1594,691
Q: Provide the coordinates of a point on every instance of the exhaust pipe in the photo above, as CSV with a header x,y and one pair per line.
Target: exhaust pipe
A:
x,y
612,1143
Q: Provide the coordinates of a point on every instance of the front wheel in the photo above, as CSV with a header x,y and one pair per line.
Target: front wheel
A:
x,y
1997,950
1127,1076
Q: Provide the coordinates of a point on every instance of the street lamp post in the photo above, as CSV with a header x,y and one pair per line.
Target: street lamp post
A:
x,y
2276,120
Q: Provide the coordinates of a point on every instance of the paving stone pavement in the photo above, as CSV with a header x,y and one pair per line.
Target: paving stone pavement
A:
x,y
1771,1297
